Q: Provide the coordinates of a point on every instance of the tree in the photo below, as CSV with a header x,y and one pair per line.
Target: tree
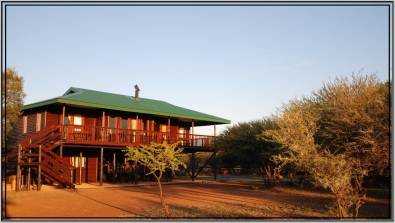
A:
x,y
157,158
338,135
242,146
12,101
355,119
297,128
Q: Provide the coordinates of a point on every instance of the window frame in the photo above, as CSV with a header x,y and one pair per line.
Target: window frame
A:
x,y
109,122
75,161
123,123
77,117
133,124
24,124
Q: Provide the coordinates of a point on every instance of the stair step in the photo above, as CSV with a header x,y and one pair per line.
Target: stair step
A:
x,y
52,166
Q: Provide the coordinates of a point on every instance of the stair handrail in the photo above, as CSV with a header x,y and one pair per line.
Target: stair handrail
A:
x,y
31,138
49,137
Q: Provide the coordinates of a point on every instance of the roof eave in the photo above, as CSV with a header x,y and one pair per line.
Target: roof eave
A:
x,y
218,121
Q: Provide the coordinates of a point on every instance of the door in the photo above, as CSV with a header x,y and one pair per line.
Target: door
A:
x,y
91,169
79,169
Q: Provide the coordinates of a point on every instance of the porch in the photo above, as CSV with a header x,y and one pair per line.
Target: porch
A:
x,y
117,137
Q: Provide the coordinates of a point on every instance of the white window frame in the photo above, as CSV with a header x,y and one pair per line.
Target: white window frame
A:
x,y
77,117
75,161
163,128
134,124
77,125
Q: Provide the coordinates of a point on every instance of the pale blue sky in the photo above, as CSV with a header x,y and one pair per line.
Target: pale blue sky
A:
x,y
240,63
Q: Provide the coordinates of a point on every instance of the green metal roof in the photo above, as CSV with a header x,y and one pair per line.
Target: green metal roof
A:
x,y
97,99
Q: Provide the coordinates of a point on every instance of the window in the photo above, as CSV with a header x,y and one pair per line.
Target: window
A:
x,y
156,127
163,128
38,122
24,125
111,122
43,120
124,123
75,161
149,125
77,120
67,120
134,124
181,132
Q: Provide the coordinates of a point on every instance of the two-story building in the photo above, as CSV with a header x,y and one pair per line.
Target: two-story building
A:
x,y
73,136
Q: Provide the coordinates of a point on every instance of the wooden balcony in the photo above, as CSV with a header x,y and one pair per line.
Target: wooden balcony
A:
x,y
115,137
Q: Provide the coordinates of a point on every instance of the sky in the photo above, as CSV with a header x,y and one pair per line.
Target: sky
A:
x,y
239,63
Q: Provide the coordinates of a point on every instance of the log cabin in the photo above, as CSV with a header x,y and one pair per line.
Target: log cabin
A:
x,y
71,139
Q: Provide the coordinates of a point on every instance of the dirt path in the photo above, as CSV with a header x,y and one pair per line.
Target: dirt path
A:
x,y
213,200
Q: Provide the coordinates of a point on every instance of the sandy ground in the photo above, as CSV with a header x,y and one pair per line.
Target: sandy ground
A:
x,y
186,200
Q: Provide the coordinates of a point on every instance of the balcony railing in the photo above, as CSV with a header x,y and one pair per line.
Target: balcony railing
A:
x,y
74,134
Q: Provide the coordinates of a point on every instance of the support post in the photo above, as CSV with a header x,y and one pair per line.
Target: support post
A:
x,y
103,123
193,133
215,168
114,163
101,166
137,134
193,166
45,118
80,165
168,129
18,170
39,169
72,175
23,182
29,171
63,114
96,167
215,134
215,131
63,119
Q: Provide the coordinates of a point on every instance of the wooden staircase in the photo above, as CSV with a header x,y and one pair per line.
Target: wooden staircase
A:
x,y
37,161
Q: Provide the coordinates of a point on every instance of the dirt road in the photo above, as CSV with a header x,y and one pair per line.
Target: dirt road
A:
x,y
190,200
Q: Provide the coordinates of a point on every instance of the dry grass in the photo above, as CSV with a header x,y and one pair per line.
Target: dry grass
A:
x,y
188,200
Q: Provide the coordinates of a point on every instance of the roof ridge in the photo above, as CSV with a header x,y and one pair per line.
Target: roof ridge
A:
x,y
105,92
